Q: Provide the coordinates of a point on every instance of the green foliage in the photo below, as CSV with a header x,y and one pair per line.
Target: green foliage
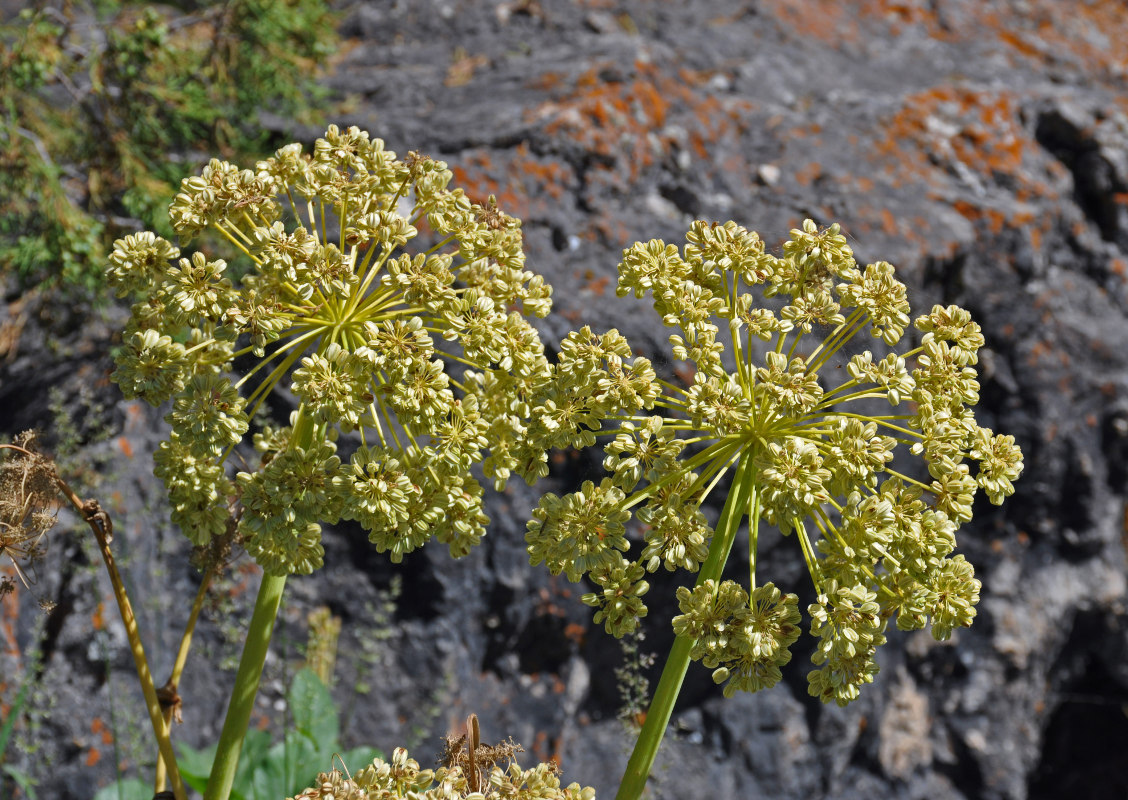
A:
x,y
631,680
270,770
24,781
25,717
86,139
6,730
128,789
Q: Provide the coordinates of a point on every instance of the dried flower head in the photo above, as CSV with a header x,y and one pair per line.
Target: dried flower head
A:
x,y
402,777
426,354
765,338
28,494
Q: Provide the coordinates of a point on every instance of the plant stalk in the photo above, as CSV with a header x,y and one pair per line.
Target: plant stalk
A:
x,y
249,676
100,524
173,682
677,662
247,680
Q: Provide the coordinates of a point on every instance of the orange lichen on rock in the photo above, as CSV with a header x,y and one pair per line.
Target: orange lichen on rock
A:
x,y
525,185
1092,36
575,632
98,727
962,134
807,175
956,127
824,20
625,121
1039,351
838,23
98,618
888,222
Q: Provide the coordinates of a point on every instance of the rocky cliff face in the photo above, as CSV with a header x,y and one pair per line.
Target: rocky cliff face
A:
x,y
982,147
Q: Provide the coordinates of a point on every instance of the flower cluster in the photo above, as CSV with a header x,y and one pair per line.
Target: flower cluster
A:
x,y
427,358
743,639
402,777
819,430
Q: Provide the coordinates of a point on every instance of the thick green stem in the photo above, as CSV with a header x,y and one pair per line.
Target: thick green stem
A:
x,y
249,676
669,685
246,687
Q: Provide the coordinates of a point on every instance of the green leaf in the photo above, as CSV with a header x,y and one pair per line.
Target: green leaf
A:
x,y
195,765
288,768
129,789
315,713
359,757
13,715
256,748
270,777
23,780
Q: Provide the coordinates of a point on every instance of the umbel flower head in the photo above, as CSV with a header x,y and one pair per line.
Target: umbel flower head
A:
x,y
819,432
425,354
402,777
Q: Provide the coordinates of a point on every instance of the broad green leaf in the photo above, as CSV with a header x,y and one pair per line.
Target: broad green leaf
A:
x,y
313,709
195,765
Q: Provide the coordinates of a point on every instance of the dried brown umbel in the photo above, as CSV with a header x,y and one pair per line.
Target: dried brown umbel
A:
x,y
474,759
30,488
29,492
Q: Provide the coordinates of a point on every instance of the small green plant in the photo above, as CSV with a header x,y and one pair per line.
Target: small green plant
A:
x,y
95,95
380,635
631,680
270,770
9,773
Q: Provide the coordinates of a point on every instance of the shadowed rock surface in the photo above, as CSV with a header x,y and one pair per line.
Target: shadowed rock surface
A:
x,y
982,147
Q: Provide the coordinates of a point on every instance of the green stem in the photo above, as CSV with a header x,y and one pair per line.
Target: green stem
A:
x,y
669,685
249,676
246,687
